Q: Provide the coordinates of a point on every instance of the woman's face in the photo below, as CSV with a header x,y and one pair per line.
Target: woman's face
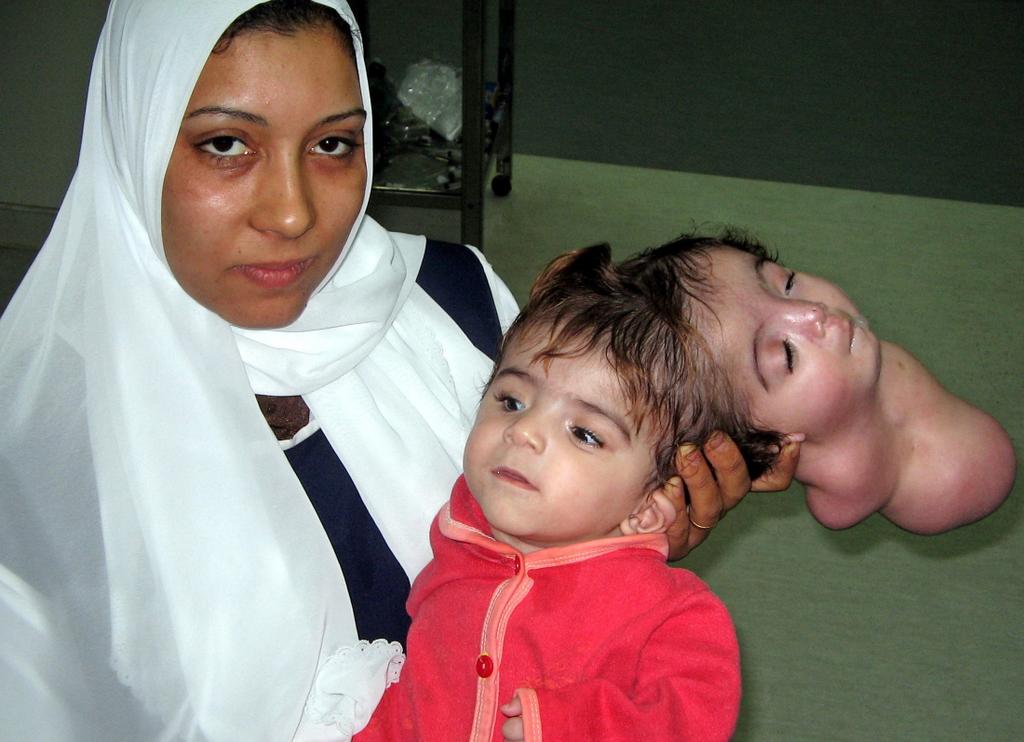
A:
x,y
267,175
793,344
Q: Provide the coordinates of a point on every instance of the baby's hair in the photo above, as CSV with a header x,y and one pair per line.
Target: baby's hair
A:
x,y
636,315
690,260
286,17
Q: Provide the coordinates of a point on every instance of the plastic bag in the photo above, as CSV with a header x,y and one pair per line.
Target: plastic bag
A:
x,y
434,93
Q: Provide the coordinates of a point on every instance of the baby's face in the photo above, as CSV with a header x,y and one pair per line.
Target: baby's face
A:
x,y
793,344
554,457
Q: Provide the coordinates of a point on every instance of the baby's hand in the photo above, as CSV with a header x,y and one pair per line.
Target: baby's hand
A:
x,y
512,729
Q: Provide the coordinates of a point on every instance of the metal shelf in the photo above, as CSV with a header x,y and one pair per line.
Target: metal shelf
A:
x,y
475,152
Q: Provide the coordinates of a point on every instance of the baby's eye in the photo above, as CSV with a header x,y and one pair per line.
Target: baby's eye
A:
x,y
333,146
586,437
510,404
224,146
790,280
790,355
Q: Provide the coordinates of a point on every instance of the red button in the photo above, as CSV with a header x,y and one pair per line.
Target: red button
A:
x,y
484,665
518,565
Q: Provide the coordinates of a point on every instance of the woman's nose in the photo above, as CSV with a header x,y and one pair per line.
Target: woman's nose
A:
x,y
284,205
524,431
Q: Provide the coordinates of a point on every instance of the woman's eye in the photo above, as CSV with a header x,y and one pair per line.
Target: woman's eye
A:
x,y
224,146
510,404
586,437
333,146
790,280
790,355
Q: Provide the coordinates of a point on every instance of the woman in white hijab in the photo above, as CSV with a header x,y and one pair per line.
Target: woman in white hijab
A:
x,y
163,574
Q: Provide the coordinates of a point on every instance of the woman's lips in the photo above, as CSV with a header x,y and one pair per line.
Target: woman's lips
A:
x,y
275,275
511,476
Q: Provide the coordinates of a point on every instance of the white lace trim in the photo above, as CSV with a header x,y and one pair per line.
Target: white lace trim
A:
x,y
351,682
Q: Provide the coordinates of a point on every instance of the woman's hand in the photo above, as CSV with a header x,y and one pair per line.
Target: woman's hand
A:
x,y
711,496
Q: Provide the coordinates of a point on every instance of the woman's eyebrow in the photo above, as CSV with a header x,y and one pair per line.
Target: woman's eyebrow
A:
x,y
253,118
335,118
235,113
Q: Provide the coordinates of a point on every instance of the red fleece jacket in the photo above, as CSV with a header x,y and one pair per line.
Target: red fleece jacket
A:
x,y
603,640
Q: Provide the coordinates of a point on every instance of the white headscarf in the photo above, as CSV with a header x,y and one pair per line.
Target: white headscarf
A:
x,y
162,573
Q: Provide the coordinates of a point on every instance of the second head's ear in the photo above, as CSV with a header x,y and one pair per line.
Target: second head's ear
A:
x,y
654,514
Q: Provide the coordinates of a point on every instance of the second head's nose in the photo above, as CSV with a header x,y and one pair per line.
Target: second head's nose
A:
x,y
807,316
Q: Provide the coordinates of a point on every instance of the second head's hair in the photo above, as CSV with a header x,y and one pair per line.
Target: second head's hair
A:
x,y
636,314
688,258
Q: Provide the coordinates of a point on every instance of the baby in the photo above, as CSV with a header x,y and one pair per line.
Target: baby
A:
x,y
879,433
548,607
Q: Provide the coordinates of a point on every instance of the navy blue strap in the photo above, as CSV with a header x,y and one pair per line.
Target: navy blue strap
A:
x,y
453,277
377,584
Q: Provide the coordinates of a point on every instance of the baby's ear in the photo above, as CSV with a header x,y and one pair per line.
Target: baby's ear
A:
x,y
654,514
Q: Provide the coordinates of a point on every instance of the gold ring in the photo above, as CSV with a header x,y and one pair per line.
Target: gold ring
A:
x,y
696,525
